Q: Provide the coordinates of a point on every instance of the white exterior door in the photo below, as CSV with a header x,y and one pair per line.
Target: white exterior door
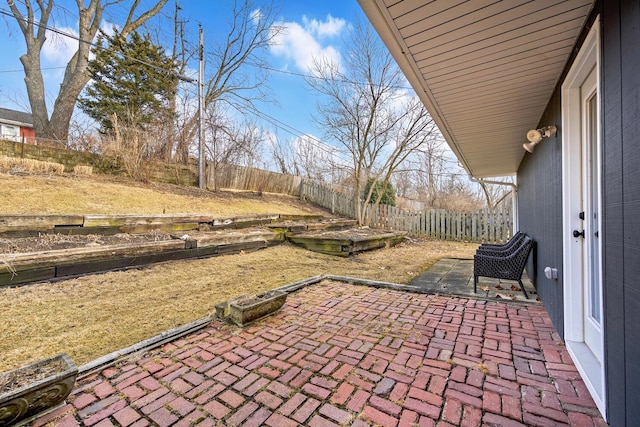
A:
x,y
581,194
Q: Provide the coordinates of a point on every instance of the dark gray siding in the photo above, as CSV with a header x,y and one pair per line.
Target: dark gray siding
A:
x,y
540,212
621,188
540,193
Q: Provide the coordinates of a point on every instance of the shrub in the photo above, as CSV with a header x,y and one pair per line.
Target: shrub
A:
x,y
389,195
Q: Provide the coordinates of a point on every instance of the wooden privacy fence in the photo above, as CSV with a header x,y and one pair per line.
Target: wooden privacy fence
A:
x,y
336,199
485,225
252,179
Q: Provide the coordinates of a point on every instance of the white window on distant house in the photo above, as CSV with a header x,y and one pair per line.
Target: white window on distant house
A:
x,y
11,133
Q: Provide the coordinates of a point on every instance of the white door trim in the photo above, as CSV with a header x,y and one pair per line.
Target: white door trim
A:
x,y
590,366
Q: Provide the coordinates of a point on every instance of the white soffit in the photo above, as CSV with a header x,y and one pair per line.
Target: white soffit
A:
x,y
485,70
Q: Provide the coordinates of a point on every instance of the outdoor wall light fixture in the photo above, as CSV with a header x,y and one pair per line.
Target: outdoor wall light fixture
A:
x,y
536,135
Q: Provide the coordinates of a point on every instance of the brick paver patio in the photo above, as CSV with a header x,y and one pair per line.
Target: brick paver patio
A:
x,y
342,354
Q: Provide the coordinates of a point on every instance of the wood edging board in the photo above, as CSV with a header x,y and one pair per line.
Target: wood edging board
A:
x,y
26,268
322,224
120,220
32,225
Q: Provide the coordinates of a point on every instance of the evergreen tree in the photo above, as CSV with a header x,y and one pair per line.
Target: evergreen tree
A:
x,y
388,197
131,78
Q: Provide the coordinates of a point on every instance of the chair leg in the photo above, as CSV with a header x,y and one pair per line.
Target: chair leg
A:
x,y
524,291
475,284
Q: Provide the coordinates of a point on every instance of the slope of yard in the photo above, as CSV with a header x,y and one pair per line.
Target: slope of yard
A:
x,y
95,194
91,316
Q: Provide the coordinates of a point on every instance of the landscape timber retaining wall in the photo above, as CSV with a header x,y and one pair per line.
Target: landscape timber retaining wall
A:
x,y
24,268
33,225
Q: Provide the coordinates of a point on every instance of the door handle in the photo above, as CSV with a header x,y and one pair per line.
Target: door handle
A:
x,y
577,233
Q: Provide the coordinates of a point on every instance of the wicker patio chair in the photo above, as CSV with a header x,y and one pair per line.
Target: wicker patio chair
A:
x,y
509,267
503,250
514,240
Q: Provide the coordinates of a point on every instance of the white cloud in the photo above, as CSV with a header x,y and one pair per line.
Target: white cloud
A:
x,y
329,28
302,43
401,98
58,49
256,16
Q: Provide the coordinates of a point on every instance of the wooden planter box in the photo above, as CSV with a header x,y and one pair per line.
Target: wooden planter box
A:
x,y
245,310
49,383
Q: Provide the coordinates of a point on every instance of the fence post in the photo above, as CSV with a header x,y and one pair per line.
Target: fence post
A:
x,y
494,224
333,201
435,218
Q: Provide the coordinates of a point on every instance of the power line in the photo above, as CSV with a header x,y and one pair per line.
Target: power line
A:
x,y
276,122
39,69
92,44
342,79
334,151
319,144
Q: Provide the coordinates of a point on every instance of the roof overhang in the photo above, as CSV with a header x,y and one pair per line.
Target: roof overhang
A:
x,y
16,118
15,123
485,70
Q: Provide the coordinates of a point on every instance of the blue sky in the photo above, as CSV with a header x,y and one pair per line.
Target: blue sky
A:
x,y
313,29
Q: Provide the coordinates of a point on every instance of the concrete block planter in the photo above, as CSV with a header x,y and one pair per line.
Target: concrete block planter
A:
x,y
35,389
244,310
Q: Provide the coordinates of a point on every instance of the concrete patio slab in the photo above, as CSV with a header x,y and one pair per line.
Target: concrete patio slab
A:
x,y
453,276
342,354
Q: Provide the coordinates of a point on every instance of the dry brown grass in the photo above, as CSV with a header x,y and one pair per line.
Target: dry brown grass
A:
x,y
83,170
16,164
94,315
97,194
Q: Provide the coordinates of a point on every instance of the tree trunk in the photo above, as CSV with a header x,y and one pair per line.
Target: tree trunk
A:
x,y
35,91
76,75
75,78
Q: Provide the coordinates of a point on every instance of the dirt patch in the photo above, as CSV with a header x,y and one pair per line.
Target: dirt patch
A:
x,y
247,300
10,381
47,242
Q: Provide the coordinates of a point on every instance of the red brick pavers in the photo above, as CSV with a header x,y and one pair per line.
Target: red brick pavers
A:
x,y
341,354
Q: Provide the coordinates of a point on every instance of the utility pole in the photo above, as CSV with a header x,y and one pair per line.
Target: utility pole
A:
x,y
201,155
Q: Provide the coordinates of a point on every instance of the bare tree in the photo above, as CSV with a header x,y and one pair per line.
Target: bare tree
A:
x,y
307,157
364,107
230,142
182,106
238,76
283,154
495,193
432,178
33,19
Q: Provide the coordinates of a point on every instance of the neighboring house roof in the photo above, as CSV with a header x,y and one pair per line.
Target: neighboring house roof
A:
x,y
18,118
485,70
